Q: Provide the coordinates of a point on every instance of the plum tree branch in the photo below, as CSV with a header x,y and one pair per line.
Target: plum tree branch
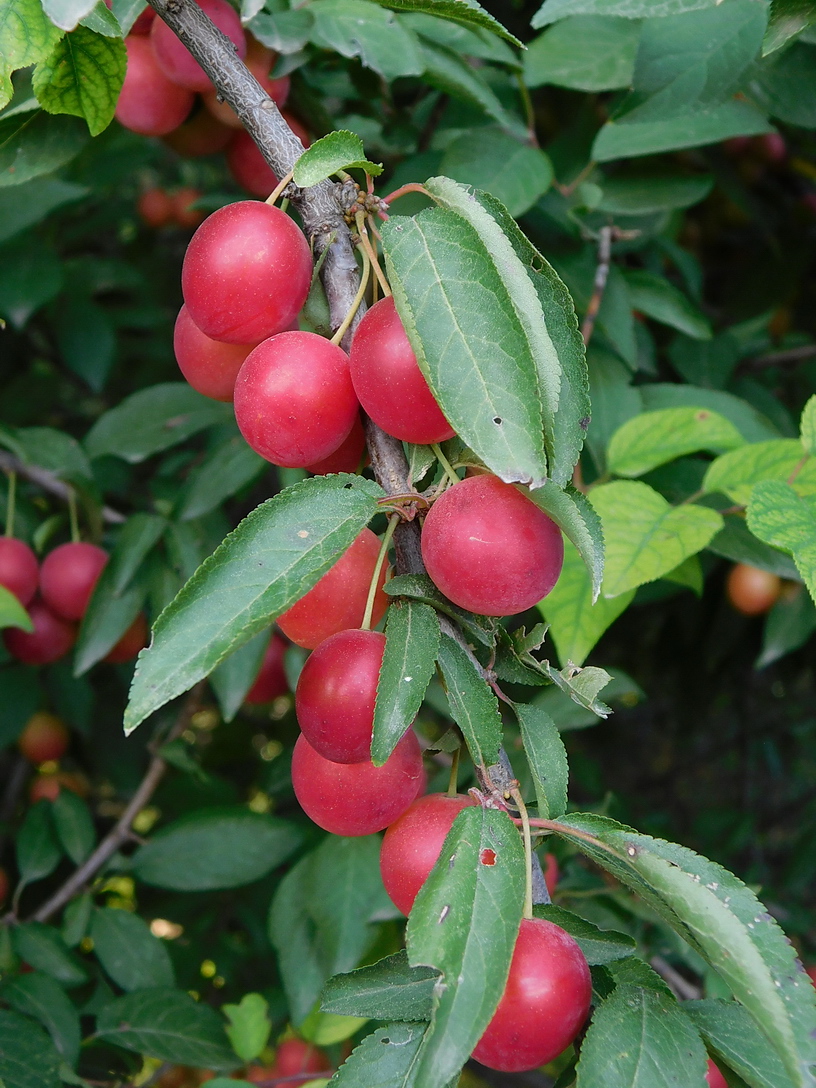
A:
x,y
322,210
121,831
51,483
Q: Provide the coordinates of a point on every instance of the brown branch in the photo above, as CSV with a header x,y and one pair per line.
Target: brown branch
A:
x,y
601,276
779,358
121,831
50,482
680,986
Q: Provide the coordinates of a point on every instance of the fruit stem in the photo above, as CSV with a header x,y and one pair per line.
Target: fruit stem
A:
x,y
453,784
375,577
365,242
10,502
444,462
411,187
72,514
358,298
273,196
528,853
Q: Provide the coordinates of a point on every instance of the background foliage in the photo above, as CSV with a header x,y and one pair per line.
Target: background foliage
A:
x,y
684,129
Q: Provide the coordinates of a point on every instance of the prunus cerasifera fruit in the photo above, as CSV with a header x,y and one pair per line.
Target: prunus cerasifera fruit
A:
x,y
210,366
184,213
149,103
752,591
714,1078
246,273
68,576
199,135
294,401
50,640
248,166
292,1056
155,208
544,1004
271,679
337,602
348,455
44,737
19,570
551,872
490,549
47,787
336,692
356,798
176,60
413,843
388,382
4,885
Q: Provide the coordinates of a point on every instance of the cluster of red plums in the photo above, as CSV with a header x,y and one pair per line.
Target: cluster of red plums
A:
x,y
56,595
167,94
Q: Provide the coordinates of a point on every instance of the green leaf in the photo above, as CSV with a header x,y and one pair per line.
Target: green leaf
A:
x,y
653,438
785,86
215,848
327,1029
86,338
639,1038
236,674
599,946
629,136
646,193
722,920
585,53
657,298
42,196
83,77
55,451
645,536
284,31
39,996
628,9
43,948
731,1034
547,758
116,600
419,587
450,73
152,420
473,706
467,12
573,411
74,825
35,142
169,1025
249,1026
30,276
491,160
412,641
789,625
67,13
128,951
341,150
293,934
464,923
38,851
583,685
28,1058
270,561
472,39
787,19
127,12
752,425
387,990
807,426
12,613
26,32
736,542
384,1059
443,271
736,473
579,522
576,623
357,28
228,468
101,20
321,915
777,515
